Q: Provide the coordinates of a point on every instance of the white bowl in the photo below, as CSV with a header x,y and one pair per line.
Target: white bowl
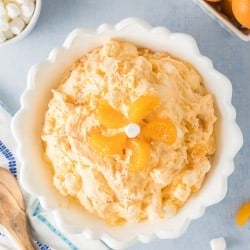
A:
x,y
27,125
28,28
222,20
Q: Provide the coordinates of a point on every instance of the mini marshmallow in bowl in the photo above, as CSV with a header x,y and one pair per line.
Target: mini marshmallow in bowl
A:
x,y
17,18
218,244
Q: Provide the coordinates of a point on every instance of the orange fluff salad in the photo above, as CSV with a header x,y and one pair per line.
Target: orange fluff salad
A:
x,y
129,133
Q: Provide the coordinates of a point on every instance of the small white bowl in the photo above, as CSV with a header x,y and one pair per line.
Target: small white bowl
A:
x,y
222,20
27,125
27,29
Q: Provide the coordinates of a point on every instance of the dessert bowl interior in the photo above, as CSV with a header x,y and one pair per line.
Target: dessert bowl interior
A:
x,y
36,174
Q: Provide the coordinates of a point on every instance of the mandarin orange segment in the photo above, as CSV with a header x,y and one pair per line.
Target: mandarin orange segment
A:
x,y
109,117
141,155
108,145
162,130
243,214
141,107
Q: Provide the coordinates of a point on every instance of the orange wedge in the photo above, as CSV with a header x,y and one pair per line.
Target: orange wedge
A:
x,y
162,130
109,117
243,214
141,155
108,145
140,108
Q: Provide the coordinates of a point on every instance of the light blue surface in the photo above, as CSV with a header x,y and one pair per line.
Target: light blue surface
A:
x,y
230,55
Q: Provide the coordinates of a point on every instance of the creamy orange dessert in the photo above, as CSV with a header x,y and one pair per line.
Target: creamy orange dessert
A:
x,y
129,133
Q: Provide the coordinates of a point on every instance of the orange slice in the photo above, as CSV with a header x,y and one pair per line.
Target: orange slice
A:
x,y
243,214
241,11
141,155
108,145
162,130
141,107
109,117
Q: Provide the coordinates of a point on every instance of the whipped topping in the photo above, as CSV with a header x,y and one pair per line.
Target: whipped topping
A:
x,y
120,73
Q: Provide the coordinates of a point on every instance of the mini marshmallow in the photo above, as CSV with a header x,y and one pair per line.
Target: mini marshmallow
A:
x,y
170,210
2,37
132,130
13,10
14,16
2,9
28,9
4,24
20,1
8,34
181,192
25,19
218,244
206,167
17,25
190,178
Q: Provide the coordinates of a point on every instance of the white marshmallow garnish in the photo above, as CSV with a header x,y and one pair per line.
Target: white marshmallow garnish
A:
x,y
218,244
132,130
14,16
13,10
28,8
17,25
25,19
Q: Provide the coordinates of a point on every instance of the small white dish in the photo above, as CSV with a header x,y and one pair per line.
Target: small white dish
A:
x,y
28,28
223,21
27,124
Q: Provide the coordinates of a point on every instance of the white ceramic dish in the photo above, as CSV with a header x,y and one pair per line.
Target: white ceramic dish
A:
x,y
224,22
28,28
27,124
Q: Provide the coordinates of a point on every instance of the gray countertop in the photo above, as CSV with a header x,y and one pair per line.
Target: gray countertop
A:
x,y
230,55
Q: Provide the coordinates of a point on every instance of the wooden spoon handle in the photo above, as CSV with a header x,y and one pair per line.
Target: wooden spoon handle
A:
x,y
13,218
19,231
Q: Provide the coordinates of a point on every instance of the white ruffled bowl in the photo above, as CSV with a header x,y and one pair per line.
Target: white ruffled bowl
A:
x,y
27,125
